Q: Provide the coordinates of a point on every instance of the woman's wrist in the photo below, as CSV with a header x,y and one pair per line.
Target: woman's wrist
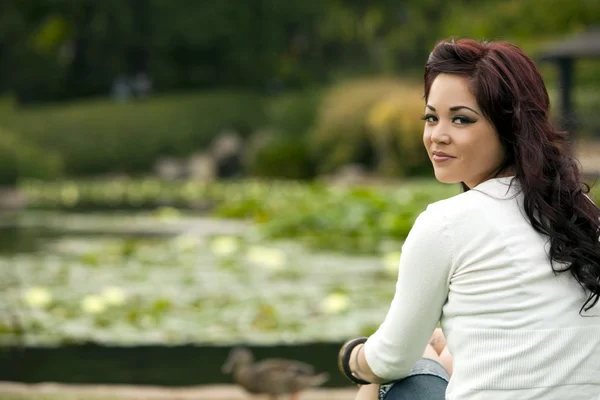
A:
x,y
348,360
354,360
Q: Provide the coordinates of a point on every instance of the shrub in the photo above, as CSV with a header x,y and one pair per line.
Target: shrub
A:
x,y
100,136
20,159
397,133
281,157
294,113
372,122
282,150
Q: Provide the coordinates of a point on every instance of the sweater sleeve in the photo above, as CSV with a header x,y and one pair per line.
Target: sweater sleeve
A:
x,y
421,291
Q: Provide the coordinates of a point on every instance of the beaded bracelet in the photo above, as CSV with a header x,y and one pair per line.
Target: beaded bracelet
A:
x,y
344,360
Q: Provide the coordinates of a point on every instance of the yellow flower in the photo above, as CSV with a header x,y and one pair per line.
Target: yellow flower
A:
x,y
93,304
391,261
114,296
224,245
266,257
37,297
335,303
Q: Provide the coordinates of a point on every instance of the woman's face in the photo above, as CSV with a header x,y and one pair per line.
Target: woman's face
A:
x,y
462,145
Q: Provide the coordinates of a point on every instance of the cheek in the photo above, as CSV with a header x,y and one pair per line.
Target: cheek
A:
x,y
426,139
501,150
491,142
488,150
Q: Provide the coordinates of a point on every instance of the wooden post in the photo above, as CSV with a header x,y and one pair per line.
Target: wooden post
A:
x,y
566,68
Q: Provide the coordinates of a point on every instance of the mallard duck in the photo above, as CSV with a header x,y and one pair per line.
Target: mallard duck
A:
x,y
273,377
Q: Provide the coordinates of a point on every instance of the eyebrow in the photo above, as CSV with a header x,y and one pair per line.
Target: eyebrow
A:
x,y
455,108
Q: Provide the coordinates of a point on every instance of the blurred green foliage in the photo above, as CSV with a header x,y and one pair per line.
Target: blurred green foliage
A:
x,y
142,294
22,159
348,218
104,137
294,113
373,122
282,157
353,219
63,49
282,149
95,283
299,135
295,69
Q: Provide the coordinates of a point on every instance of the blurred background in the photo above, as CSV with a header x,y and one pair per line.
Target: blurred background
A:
x,y
215,173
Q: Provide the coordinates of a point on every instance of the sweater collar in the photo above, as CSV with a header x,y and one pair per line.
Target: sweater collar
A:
x,y
506,186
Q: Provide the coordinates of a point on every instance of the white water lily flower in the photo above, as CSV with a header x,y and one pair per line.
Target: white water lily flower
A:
x,y
187,242
114,296
224,245
167,213
69,194
37,297
391,262
267,257
93,304
335,303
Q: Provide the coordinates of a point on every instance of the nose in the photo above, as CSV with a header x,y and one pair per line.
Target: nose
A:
x,y
439,134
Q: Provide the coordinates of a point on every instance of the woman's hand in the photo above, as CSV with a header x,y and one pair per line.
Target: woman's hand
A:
x,y
438,340
438,351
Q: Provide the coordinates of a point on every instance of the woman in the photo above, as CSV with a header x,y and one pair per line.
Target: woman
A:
x,y
510,267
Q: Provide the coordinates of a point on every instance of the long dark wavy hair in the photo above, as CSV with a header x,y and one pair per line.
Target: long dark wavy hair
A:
x,y
511,93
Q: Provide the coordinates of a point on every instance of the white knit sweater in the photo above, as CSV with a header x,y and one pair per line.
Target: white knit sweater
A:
x,y
474,262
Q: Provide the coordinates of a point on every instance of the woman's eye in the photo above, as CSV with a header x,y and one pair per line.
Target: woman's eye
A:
x,y
462,120
429,118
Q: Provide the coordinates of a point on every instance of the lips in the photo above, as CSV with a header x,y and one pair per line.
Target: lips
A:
x,y
440,156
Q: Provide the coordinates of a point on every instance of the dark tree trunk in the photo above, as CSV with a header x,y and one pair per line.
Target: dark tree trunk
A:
x,y
77,71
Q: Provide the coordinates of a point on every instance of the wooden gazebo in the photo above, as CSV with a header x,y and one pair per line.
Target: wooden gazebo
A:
x,y
564,53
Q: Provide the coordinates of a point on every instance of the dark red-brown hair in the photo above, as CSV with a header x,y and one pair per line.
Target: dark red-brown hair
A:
x,y
511,93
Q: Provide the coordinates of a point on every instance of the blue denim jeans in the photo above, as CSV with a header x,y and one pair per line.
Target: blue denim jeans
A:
x,y
426,381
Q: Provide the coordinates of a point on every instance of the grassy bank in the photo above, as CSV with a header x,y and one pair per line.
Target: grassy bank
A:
x,y
103,136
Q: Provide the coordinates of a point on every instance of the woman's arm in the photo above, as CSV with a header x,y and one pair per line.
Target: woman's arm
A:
x,y
436,350
422,288
360,367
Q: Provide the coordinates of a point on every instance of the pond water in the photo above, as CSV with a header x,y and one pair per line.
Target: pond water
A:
x,y
31,231
166,277
15,240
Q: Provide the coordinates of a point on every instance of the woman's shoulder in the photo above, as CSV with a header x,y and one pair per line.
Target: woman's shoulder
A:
x,y
456,206
439,216
483,198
